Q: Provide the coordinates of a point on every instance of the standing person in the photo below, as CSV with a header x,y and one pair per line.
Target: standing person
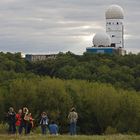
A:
x,y
53,128
11,116
18,120
29,122
73,116
23,124
44,122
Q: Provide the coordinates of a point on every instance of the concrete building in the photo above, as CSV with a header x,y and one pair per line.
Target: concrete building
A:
x,y
39,57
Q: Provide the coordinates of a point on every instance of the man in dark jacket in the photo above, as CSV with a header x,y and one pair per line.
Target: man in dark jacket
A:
x,y
11,117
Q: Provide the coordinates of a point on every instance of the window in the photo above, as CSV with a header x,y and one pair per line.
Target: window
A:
x,y
113,45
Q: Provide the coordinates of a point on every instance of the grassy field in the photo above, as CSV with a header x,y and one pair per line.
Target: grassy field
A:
x,y
66,137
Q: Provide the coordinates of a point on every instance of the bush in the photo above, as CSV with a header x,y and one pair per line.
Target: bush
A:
x,y
98,105
110,130
3,128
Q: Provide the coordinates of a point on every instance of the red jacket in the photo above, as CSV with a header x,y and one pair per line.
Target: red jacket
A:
x,y
18,119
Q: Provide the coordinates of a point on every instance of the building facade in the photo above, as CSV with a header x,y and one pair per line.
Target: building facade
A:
x,y
35,57
111,42
114,25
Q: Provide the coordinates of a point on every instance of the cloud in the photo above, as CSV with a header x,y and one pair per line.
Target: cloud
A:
x,y
50,26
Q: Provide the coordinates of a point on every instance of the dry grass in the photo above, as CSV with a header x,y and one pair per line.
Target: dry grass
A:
x,y
67,137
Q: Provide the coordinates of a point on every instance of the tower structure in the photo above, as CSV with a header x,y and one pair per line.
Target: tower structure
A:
x,y
111,42
114,25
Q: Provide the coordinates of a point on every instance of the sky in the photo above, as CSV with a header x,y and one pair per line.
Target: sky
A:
x,y
52,26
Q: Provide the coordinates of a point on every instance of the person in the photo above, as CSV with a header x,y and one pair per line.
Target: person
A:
x,y
53,128
11,116
44,122
29,122
18,120
23,123
73,117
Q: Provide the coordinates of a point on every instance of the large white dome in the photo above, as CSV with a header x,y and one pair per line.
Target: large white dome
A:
x,y
114,12
101,40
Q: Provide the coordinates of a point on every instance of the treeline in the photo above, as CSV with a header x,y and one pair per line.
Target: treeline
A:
x,y
120,71
101,107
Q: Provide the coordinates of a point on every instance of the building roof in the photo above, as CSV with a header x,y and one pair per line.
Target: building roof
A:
x,y
101,39
114,12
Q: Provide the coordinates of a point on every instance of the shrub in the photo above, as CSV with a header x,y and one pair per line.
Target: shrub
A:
x,y
110,130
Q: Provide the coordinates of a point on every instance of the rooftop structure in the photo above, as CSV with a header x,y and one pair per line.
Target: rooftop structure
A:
x,y
101,40
113,40
39,57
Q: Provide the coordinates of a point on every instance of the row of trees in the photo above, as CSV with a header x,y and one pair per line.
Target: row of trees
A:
x,y
99,106
120,71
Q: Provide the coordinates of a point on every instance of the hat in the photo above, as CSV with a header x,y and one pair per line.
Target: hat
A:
x,y
73,109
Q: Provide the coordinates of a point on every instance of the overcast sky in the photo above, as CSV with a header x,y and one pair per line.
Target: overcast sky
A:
x,y
52,26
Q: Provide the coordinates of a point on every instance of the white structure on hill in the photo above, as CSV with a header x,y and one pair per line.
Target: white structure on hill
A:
x,y
114,25
101,40
111,42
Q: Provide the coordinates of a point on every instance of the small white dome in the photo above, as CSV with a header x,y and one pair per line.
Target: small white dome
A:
x,y
101,40
114,12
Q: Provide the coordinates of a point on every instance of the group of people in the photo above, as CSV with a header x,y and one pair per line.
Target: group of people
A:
x,y
19,121
24,120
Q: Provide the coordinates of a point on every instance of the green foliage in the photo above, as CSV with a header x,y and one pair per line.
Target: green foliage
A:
x,y
120,71
110,131
103,90
3,128
99,105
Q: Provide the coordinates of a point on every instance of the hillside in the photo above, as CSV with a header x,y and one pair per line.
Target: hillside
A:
x,y
103,88
120,71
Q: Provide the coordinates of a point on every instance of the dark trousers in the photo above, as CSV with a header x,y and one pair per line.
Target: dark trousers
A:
x,y
12,128
21,127
73,128
43,129
28,129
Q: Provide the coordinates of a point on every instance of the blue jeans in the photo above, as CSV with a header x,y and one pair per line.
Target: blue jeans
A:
x,y
73,128
44,129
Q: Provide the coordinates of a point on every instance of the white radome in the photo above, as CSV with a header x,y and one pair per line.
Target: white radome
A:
x,y
114,12
101,40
